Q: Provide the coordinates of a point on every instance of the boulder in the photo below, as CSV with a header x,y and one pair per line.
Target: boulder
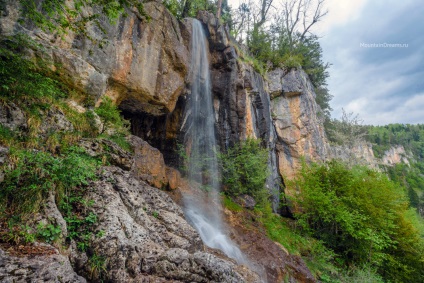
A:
x,y
55,121
145,236
51,267
246,201
4,153
113,153
148,163
12,117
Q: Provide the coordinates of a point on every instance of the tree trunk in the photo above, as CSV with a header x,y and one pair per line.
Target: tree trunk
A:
x,y
219,9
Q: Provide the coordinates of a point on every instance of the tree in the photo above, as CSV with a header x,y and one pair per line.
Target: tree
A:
x,y
218,9
298,17
361,215
347,131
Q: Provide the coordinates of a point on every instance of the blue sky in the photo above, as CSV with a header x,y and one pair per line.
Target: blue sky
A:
x,y
382,85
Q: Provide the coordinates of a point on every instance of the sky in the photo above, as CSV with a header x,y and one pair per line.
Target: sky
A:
x,y
381,84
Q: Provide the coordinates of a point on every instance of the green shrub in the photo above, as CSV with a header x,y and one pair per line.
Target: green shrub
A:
x,y
244,170
361,215
230,204
22,78
110,116
35,173
49,233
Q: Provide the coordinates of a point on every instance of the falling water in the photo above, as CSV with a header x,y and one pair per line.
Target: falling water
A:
x,y
201,144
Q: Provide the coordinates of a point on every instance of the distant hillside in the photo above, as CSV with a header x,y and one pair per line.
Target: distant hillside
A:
x,y
411,173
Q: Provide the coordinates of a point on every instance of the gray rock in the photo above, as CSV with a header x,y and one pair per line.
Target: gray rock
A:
x,y
4,153
290,83
55,121
145,233
218,33
43,268
198,267
12,117
103,147
246,201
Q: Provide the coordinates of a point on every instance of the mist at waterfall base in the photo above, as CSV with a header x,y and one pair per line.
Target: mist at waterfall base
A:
x,y
202,160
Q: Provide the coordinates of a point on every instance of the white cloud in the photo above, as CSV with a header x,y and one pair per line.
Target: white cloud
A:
x,y
340,12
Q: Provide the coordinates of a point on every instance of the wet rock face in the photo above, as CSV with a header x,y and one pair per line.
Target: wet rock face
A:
x,y
294,112
142,63
241,103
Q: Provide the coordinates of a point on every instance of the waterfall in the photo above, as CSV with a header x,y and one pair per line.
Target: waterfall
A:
x,y
201,145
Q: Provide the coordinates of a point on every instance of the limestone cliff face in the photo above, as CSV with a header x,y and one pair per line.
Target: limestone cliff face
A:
x,y
358,153
242,103
142,66
299,130
139,63
395,155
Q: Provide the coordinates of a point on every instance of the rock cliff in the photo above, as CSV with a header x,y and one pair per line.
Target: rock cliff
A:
x,y
140,63
295,115
142,66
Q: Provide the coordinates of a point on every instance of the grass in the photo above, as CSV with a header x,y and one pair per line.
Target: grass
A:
x,y
318,258
230,204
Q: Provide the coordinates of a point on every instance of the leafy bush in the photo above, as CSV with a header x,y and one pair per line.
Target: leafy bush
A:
x,y
35,173
361,215
110,116
22,78
245,170
49,233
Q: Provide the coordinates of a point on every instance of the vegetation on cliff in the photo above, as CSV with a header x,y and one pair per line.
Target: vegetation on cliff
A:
x,y
351,223
410,176
44,157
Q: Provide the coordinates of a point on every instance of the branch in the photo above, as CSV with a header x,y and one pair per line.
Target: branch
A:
x,y
316,18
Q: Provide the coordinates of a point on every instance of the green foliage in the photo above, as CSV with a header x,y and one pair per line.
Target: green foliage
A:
x,y
411,176
79,222
230,204
16,233
346,131
56,16
49,233
245,169
323,99
410,136
97,266
155,214
21,78
110,116
35,173
319,259
361,215
7,136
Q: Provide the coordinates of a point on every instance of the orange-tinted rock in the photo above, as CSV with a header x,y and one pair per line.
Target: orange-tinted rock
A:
x,y
148,163
142,62
299,129
174,177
